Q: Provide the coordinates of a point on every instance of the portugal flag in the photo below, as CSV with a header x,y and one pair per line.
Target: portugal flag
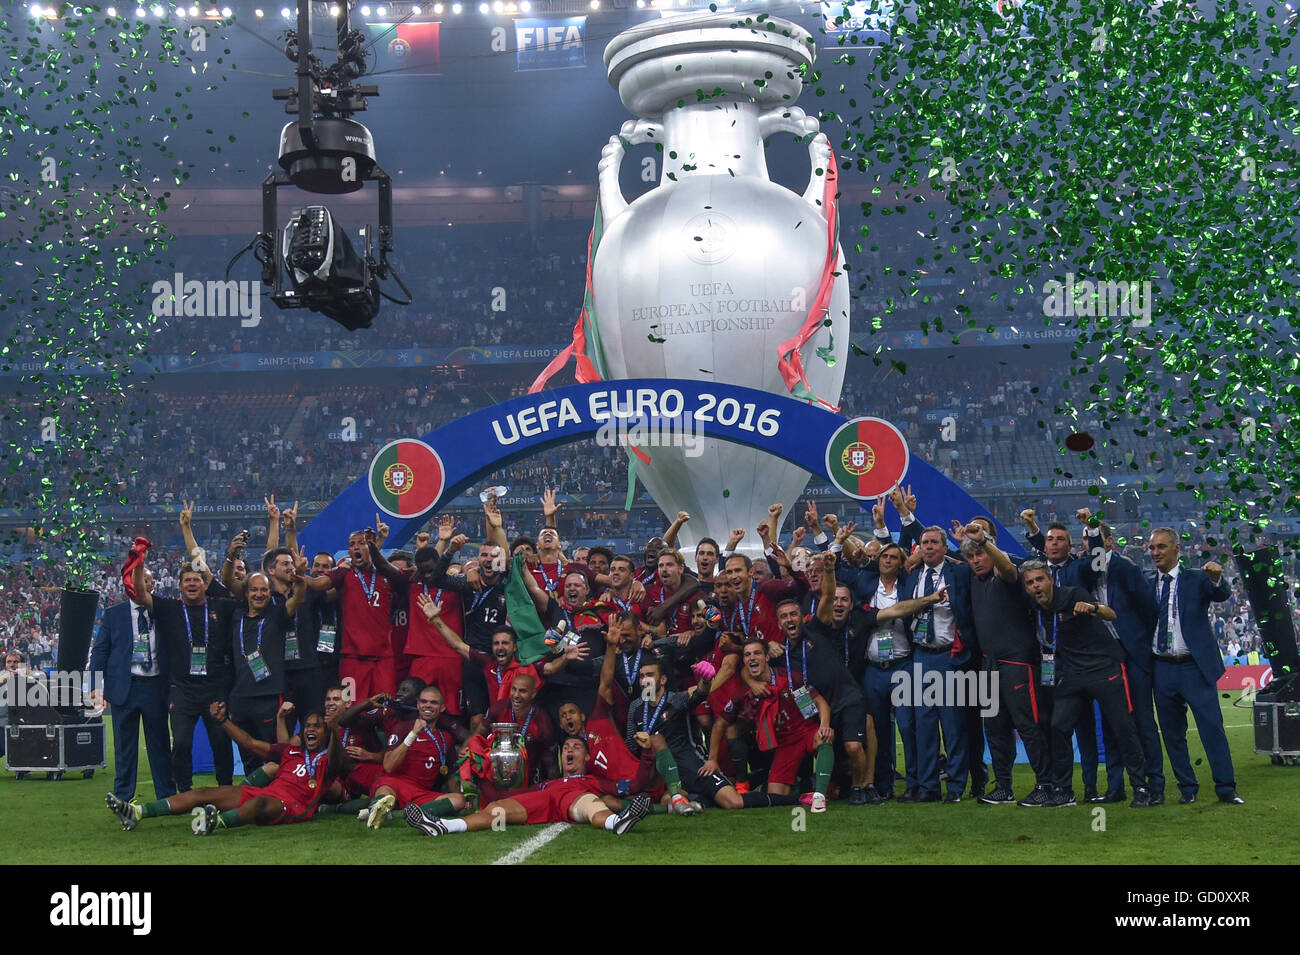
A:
x,y
410,48
866,457
406,478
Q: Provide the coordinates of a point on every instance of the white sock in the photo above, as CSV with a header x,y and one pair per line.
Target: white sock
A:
x,y
455,825
611,821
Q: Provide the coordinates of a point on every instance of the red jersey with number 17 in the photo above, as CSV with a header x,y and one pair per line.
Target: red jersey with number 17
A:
x,y
608,755
367,605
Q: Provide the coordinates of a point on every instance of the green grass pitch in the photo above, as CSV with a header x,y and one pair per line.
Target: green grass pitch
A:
x,y
66,822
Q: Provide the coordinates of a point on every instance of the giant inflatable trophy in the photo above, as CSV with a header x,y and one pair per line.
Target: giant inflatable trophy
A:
x,y
718,273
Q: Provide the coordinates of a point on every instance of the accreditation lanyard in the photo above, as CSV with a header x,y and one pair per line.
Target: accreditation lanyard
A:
x,y
650,721
189,632
745,613
481,596
368,588
243,648
1043,628
442,750
310,761
630,670
550,585
803,645
437,597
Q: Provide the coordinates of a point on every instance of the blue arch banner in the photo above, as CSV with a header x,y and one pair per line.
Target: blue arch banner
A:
x,y
484,441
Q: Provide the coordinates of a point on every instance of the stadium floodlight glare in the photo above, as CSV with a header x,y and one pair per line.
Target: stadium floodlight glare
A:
x,y
437,8
498,6
365,11
456,8
139,11
483,8
156,10
526,6
180,12
258,13
111,11
381,11
226,12
415,10
595,4
194,11
36,10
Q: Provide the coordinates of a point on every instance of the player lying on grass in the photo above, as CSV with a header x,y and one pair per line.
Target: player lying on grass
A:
x,y
305,772
575,797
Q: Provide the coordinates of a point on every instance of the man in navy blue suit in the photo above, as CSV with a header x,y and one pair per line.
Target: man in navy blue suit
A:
x,y
943,640
133,660
1188,664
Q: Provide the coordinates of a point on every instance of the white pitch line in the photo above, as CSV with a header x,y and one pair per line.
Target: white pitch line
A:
x,y
526,848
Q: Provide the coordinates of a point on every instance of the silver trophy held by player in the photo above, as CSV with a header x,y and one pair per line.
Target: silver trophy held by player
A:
x,y
507,756
707,274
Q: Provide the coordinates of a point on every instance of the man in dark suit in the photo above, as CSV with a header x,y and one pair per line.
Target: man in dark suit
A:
x,y
134,663
944,640
1069,569
1122,587
1188,664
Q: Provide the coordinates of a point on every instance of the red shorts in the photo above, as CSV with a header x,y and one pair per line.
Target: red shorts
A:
x,y
445,674
294,811
406,790
369,675
547,805
361,781
788,756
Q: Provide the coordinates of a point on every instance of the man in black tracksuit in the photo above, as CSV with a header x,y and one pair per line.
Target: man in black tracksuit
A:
x,y
1083,662
1005,622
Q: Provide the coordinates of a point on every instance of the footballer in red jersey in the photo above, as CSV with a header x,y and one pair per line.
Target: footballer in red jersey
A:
x,y
668,597
362,749
755,611
417,764
366,598
792,723
432,658
576,796
305,773
625,591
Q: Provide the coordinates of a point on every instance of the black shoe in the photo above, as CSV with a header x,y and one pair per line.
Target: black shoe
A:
x,y
911,795
928,797
1041,796
1233,799
1114,795
886,794
1060,798
1141,799
952,797
1090,795
999,796
1186,799
866,796
1156,799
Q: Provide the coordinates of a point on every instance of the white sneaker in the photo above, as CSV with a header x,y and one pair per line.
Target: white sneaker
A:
x,y
818,802
681,806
